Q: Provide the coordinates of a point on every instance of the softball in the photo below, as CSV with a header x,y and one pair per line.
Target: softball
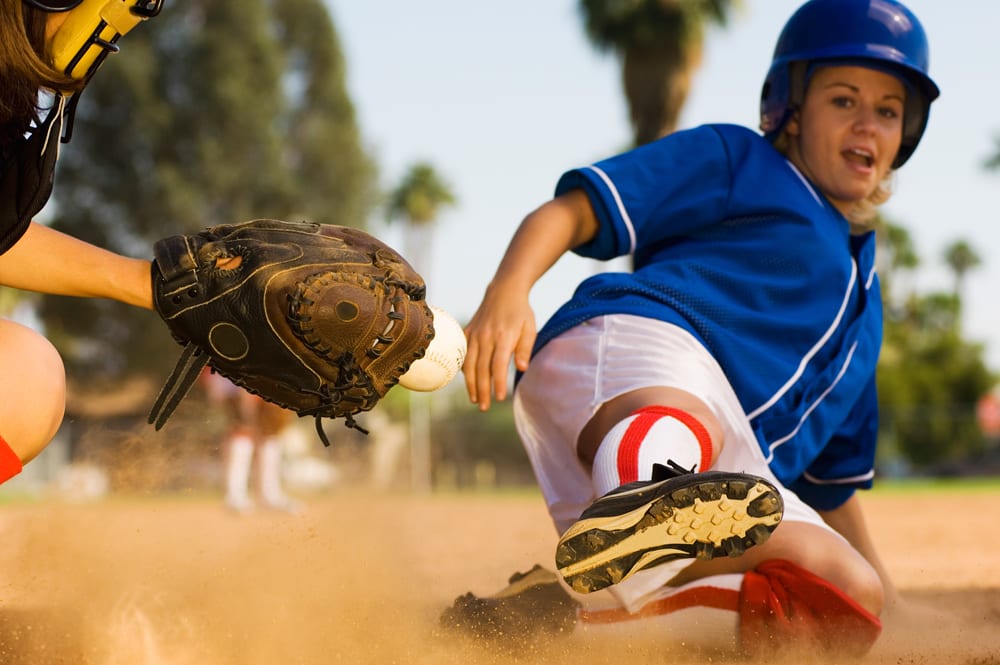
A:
x,y
443,359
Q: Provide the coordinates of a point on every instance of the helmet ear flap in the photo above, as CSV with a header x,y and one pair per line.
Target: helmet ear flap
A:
x,y
915,115
781,96
774,101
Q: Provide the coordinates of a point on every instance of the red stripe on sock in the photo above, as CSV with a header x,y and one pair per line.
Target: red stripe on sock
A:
x,y
646,417
10,463
628,450
699,596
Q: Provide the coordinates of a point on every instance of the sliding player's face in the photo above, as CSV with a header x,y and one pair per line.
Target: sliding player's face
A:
x,y
848,131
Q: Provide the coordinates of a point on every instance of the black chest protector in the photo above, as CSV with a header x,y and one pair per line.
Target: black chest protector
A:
x,y
27,172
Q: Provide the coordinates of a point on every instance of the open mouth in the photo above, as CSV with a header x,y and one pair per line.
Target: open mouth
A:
x,y
860,157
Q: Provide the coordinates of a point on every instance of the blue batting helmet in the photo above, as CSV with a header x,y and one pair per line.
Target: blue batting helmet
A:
x,y
880,33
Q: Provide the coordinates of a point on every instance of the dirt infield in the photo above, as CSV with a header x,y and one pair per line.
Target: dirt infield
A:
x,y
362,578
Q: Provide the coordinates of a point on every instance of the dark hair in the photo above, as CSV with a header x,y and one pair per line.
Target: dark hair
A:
x,y
24,68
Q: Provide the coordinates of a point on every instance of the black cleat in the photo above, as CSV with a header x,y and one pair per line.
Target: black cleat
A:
x,y
683,516
533,604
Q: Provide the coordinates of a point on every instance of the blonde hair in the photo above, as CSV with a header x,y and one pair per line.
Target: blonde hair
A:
x,y
862,214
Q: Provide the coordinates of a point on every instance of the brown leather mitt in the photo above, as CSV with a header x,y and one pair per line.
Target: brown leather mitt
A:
x,y
317,318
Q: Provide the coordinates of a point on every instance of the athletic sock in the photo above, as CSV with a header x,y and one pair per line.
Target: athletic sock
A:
x,y
10,463
270,473
238,472
651,435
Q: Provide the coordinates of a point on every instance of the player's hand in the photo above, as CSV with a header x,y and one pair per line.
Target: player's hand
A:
x,y
502,327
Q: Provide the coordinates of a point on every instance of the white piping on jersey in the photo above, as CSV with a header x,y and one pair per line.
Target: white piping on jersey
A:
x,y
871,275
813,351
806,182
849,480
812,407
48,132
621,206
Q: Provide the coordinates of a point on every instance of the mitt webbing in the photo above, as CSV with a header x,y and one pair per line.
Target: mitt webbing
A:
x,y
178,384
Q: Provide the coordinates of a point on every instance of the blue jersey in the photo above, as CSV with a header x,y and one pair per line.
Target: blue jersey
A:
x,y
730,242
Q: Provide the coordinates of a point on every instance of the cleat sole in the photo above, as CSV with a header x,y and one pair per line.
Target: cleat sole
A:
x,y
712,515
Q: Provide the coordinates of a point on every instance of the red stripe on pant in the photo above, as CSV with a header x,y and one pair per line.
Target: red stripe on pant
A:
x,y
699,596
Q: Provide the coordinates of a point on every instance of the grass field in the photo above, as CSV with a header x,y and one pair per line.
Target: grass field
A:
x,y
362,578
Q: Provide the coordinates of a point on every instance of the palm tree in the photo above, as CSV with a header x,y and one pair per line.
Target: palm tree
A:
x,y
897,259
660,44
418,199
961,258
993,163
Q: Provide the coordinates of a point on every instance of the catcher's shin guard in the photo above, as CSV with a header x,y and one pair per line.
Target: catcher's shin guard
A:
x,y
647,523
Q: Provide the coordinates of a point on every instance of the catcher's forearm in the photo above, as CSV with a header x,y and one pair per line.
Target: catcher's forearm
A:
x,y
47,261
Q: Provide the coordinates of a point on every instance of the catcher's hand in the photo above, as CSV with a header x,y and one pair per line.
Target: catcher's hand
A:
x,y
319,319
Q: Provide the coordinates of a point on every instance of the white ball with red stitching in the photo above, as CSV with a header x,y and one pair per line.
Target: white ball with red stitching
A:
x,y
443,359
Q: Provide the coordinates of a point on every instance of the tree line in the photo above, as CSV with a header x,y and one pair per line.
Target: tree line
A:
x,y
228,110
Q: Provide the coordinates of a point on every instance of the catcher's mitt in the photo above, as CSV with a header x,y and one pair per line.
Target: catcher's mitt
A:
x,y
319,319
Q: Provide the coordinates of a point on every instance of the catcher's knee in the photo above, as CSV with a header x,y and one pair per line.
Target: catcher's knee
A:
x,y
33,392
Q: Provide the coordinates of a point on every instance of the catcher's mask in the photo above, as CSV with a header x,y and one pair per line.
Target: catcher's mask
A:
x,y
89,34
54,5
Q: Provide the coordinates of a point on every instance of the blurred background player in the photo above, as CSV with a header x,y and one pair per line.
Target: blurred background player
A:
x,y
253,441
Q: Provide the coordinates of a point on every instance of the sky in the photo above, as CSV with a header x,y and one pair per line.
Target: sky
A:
x,y
502,98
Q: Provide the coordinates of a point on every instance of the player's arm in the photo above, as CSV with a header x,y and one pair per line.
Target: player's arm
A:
x,y
849,521
504,324
47,261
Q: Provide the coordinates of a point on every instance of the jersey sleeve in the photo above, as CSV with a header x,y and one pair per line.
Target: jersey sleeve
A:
x,y
847,463
658,191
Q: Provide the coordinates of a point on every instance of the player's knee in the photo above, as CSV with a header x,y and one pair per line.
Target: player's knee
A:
x,y
848,571
862,584
33,397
